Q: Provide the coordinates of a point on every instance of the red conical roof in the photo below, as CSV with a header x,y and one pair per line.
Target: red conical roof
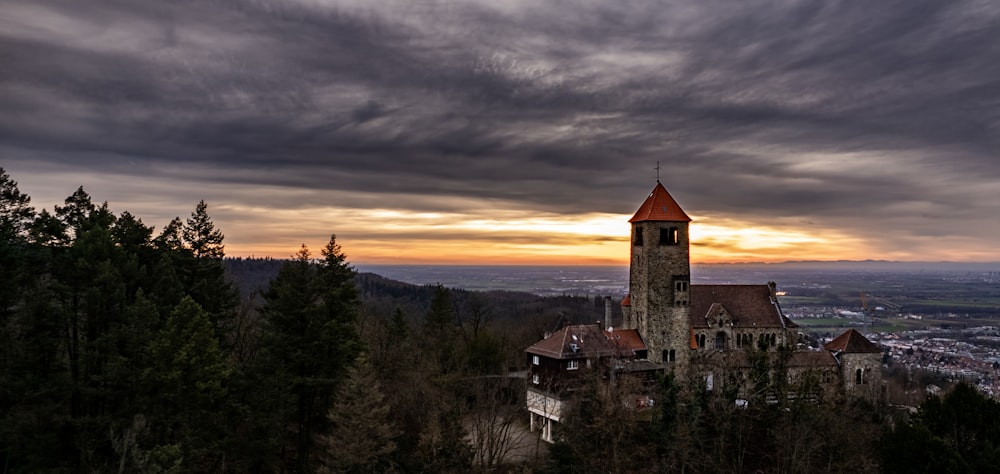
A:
x,y
660,206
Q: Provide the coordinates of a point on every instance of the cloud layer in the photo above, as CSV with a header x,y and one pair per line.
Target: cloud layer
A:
x,y
876,124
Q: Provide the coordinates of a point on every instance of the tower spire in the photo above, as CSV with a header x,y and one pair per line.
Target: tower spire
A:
x,y
657,171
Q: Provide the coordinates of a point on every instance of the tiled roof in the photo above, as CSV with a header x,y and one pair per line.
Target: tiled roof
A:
x,y
852,342
589,340
660,206
812,359
749,305
796,360
626,301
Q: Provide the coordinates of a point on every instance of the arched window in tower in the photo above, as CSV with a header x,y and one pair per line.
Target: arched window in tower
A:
x,y
638,236
857,377
670,236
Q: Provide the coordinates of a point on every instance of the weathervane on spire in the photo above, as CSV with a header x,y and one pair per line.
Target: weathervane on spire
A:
x,y
657,171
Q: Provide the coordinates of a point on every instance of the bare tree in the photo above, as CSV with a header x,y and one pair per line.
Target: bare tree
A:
x,y
493,423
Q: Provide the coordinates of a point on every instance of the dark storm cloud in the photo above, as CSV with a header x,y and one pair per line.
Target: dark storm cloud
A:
x,y
811,110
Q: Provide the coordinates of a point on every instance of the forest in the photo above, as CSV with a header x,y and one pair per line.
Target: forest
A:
x,y
128,349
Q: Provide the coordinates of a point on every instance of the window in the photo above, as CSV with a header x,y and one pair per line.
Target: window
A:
x,y
681,286
638,236
857,377
669,355
701,341
720,340
671,236
534,360
573,365
534,379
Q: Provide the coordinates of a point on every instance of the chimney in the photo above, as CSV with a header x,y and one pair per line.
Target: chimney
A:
x,y
607,313
773,288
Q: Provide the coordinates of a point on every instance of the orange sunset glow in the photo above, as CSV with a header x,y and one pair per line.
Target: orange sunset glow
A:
x,y
510,237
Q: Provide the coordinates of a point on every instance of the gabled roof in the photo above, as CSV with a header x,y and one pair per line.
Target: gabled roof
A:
x,y
748,305
852,342
660,206
587,341
796,360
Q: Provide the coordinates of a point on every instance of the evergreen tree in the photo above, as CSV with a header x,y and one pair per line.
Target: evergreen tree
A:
x,y
439,332
76,212
362,428
957,433
47,230
35,386
15,212
201,236
171,238
206,276
310,331
15,220
187,381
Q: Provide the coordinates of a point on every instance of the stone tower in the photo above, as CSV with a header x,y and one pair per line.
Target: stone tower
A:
x,y
660,279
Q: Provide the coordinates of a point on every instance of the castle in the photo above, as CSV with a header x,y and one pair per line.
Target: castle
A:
x,y
703,334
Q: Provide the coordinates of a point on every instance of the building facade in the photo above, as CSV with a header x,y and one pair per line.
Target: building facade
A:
x,y
703,334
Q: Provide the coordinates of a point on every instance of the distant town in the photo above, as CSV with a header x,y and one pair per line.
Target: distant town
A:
x,y
941,319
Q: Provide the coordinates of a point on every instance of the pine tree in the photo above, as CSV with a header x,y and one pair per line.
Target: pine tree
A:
x,y
362,428
201,269
15,212
439,331
187,380
77,210
310,332
16,216
201,236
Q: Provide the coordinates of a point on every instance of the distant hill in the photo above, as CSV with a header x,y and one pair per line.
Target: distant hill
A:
x,y
382,296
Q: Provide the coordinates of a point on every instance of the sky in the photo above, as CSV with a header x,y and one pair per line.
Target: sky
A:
x,y
493,132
